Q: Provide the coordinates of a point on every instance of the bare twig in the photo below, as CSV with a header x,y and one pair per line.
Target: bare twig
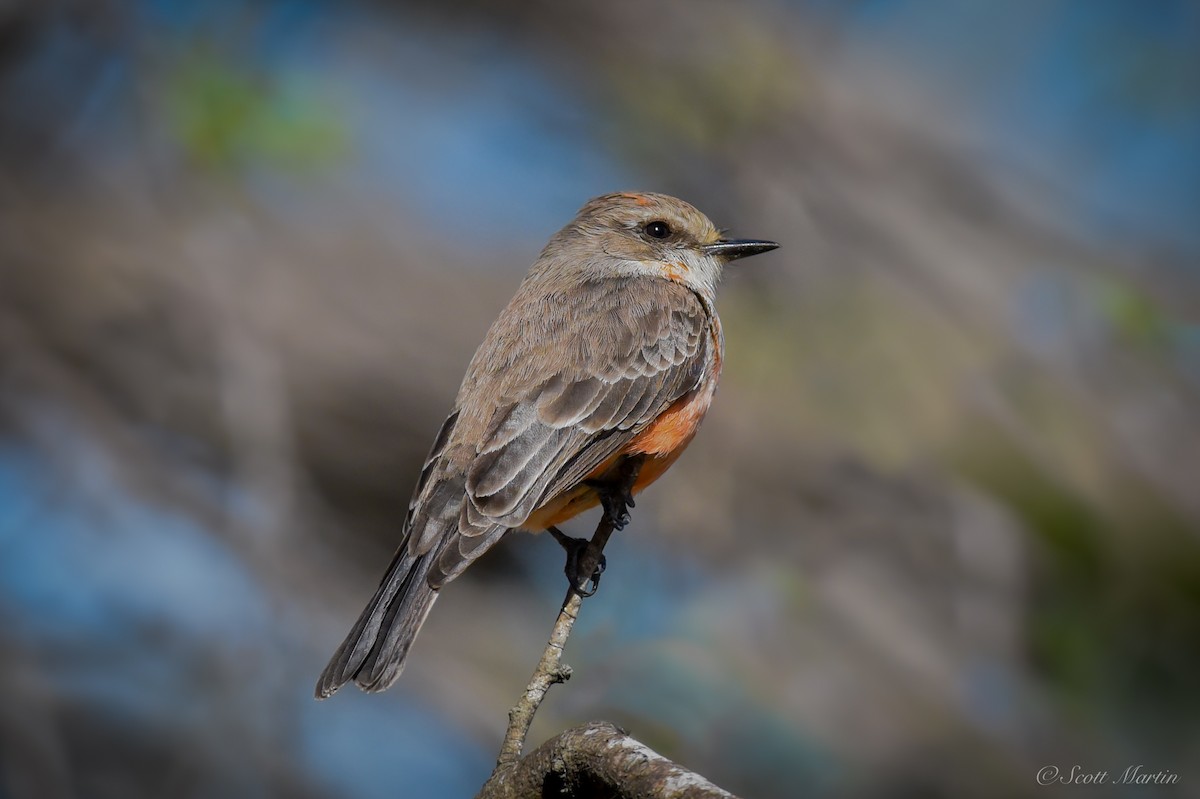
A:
x,y
550,670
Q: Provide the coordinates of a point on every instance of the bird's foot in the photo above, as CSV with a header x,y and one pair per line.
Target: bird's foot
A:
x,y
616,500
577,550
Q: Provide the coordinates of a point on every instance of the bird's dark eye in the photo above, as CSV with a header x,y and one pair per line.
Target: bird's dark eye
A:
x,y
657,230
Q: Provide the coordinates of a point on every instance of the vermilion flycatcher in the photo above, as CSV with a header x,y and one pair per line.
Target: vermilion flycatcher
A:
x,y
608,356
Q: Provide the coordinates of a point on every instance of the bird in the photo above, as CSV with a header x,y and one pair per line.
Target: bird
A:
x,y
585,390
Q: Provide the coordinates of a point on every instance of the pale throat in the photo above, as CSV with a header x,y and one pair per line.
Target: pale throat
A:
x,y
698,272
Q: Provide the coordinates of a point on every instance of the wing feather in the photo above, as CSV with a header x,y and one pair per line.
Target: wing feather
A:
x,y
606,410
508,423
501,490
577,399
494,470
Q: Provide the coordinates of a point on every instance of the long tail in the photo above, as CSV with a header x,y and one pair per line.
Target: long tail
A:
x,y
373,653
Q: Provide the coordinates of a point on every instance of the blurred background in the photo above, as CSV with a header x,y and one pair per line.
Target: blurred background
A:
x,y
941,528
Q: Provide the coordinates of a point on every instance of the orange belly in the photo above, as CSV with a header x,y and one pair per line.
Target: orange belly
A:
x,y
662,442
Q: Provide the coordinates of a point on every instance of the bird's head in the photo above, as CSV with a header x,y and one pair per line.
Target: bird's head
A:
x,y
646,234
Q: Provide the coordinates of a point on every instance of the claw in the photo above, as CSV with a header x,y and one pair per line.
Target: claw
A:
x,y
588,587
584,585
616,503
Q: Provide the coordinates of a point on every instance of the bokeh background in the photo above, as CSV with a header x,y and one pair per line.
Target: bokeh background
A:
x,y
940,528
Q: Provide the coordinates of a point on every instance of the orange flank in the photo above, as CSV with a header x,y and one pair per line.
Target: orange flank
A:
x,y
674,427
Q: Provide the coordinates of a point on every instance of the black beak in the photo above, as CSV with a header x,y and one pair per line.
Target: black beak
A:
x,y
733,249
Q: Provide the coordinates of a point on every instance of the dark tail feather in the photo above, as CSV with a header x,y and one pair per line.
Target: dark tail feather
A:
x,y
373,653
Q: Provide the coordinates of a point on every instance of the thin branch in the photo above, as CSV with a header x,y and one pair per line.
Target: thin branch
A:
x,y
550,671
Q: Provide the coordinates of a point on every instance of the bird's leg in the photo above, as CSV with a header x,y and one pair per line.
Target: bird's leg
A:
x,y
584,584
617,501
586,563
616,494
